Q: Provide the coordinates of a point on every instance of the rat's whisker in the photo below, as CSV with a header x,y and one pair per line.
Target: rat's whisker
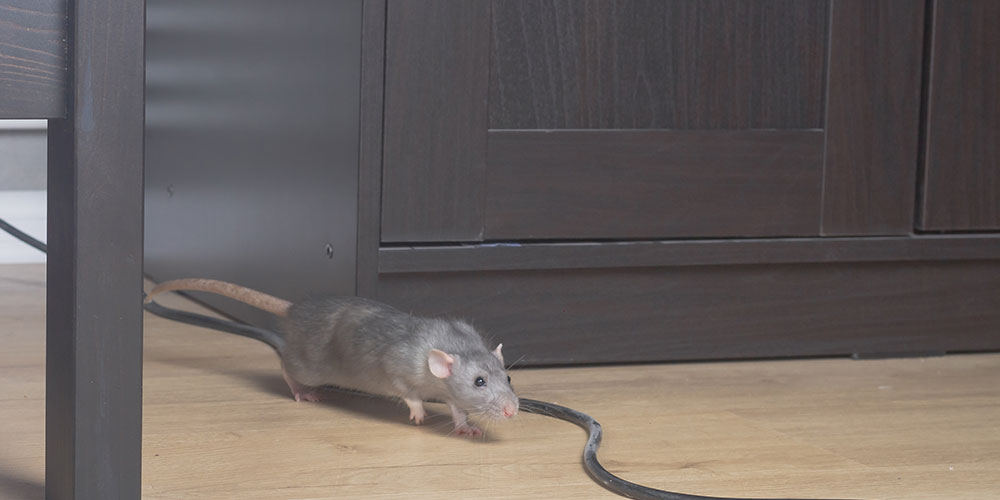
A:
x,y
516,362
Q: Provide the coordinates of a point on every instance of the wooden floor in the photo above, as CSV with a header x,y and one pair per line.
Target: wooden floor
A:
x,y
219,424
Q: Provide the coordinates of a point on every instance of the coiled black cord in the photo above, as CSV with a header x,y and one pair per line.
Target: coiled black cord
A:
x,y
606,479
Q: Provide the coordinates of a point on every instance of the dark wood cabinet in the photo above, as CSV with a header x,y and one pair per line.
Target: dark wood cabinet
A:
x,y
650,119
962,150
642,184
614,180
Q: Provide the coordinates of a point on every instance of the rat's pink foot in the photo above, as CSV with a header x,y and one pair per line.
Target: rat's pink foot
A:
x,y
417,418
417,412
311,395
461,419
468,430
300,392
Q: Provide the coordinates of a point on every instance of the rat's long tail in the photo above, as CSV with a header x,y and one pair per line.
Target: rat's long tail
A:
x,y
248,296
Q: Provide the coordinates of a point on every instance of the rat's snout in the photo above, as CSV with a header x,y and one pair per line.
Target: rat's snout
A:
x,y
510,409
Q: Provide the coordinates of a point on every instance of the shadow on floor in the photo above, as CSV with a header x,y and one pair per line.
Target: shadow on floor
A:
x,y
359,404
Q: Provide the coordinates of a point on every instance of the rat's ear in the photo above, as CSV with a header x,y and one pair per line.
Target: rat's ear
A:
x,y
440,363
498,354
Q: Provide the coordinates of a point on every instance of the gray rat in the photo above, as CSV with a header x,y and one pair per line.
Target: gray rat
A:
x,y
361,344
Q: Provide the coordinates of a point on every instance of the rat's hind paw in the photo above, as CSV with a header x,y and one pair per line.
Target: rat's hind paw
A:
x,y
300,392
468,430
310,396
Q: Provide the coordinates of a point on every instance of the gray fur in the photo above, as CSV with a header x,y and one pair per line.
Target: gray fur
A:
x,y
355,343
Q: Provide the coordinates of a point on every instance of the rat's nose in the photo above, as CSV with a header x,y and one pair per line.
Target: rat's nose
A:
x,y
509,410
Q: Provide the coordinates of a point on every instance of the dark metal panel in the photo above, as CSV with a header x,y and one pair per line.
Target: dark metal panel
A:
x,y
652,184
33,52
677,64
93,385
962,150
370,158
717,312
436,86
252,145
622,254
872,114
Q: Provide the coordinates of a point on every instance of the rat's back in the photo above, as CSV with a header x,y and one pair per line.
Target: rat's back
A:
x,y
348,342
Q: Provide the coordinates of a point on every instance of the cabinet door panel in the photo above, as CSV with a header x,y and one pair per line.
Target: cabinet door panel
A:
x,y
460,82
645,183
962,169
653,64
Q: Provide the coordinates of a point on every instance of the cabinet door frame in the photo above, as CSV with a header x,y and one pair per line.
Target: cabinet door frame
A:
x,y
961,159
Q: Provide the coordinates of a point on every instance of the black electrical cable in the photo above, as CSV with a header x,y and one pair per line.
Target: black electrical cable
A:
x,y
15,232
606,479
268,337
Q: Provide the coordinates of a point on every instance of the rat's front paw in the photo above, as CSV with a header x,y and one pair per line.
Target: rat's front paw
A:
x,y
417,415
468,430
417,412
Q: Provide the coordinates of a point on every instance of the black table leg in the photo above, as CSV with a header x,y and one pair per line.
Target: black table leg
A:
x,y
94,320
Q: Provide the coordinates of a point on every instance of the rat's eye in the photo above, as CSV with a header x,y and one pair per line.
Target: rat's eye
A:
x,y
508,379
480,381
